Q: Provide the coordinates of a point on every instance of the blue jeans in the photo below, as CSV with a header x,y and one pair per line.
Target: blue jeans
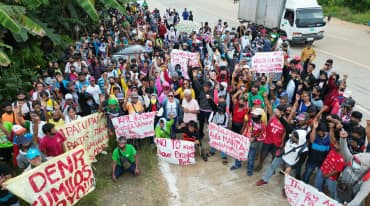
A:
x,y
277,162
251,155
308,172
213,150
119,170
320,181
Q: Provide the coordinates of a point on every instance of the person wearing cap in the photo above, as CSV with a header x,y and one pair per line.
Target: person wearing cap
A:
x,y
25,142
134,106
319,148
125,159
356,176
35,158
112,110
255,130
94,90
345,110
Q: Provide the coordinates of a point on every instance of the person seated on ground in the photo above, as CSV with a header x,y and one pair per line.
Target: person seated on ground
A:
x,y
163,128
191,133
53,143
125,159
34,156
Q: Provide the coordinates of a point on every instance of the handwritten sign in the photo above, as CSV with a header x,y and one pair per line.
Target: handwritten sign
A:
x,y
268,62
90,131
229,142
182,58
178,152
136,126
299,193
63,180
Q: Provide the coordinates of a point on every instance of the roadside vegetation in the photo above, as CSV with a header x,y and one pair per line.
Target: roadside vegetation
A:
x,y
356,11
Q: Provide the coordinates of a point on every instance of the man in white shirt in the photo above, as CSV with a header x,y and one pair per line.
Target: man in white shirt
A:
x,y
94,90
190,107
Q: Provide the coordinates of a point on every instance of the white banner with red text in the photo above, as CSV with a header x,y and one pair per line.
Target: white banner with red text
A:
x,y
268,62
229,142
300,193
90,131
62,180
134,126
183,58
176,151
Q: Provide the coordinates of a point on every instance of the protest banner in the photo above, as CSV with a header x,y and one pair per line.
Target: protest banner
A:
x,y
62,180
176,151
90,131
268,62
135,126
182,58
300,193
229,142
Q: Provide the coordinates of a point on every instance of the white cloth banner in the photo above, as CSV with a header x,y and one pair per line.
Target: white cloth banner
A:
x,y
229,142
178,152
182,58
136,126
268,62
302,194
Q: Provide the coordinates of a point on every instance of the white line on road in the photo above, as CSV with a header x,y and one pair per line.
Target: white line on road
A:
x,y
343,58
171,182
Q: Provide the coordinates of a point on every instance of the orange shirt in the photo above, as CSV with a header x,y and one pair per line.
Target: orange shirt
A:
x,y
10,118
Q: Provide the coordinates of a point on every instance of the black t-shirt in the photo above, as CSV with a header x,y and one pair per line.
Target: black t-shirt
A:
x,y
9,198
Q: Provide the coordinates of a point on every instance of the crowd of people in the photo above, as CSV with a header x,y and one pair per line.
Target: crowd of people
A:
x,y
303,116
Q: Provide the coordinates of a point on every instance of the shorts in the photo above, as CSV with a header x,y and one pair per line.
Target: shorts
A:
x,y
268,148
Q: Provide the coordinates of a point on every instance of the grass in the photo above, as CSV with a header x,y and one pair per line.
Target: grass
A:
x,y
148,182
348,14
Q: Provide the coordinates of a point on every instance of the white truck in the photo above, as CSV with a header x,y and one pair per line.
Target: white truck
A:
x,y
300,20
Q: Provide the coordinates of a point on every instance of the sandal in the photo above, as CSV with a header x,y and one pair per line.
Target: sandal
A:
x,y
224,161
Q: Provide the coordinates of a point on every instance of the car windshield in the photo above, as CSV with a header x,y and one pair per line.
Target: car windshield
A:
x,y
309,17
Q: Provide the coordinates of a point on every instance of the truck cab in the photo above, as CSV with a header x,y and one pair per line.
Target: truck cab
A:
x,y
302,21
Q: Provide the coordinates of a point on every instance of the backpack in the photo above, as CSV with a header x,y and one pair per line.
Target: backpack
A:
x,y
347,180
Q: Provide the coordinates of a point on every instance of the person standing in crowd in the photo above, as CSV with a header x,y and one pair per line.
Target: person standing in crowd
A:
x,y
52,144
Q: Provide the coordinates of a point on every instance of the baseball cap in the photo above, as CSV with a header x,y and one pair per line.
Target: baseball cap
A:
x,y
302,116
257,102
165,84
18,129
32,153
68,96
23,139
257,111
134,95
120,96
112,101
92,78
347,94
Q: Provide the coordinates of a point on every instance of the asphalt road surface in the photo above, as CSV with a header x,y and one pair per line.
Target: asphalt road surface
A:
x,y
212,183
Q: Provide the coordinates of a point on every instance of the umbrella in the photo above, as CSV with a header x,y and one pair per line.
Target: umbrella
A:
x,y
187,26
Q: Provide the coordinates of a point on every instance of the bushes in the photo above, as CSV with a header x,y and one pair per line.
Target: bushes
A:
x,y
347,14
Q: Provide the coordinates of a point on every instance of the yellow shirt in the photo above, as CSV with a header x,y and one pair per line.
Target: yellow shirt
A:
x,y
180,92
306,53
57,124
135,108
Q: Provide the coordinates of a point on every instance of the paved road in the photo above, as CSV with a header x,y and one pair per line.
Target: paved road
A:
x,y
212,183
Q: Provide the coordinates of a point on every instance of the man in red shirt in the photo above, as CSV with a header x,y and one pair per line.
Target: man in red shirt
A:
x,y
275,132
328,173
52,144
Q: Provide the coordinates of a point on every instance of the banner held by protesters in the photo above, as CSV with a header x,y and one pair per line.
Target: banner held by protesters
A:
x,y
90,131
137,126
176,151
268,62
299,193
227,141
63,180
